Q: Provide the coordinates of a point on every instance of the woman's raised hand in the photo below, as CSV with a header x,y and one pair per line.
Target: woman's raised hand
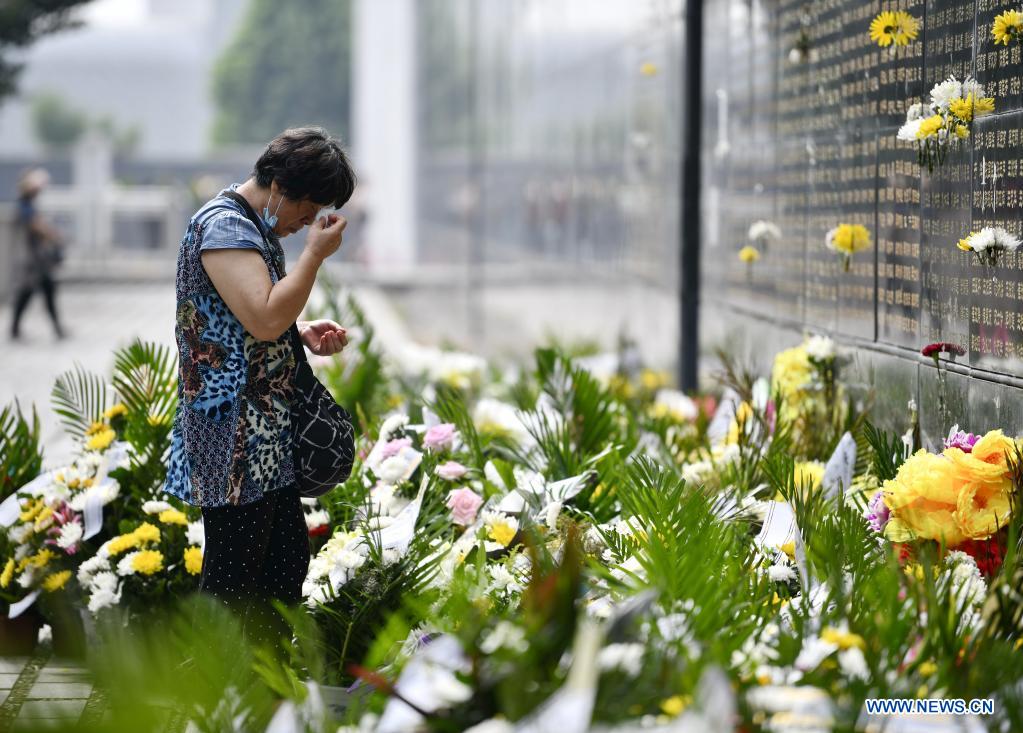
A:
x,y
324,238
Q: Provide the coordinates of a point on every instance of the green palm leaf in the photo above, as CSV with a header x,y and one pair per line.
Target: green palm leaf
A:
x,y
79,397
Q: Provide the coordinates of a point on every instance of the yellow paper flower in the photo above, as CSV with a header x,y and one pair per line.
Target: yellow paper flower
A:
x,y
749,254
842,638
193,560
1007,27
148,562
56,581
173,516
115,411
8,573
101,440
924,497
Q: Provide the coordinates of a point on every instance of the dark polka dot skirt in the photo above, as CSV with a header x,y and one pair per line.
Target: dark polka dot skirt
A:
x,y
254,553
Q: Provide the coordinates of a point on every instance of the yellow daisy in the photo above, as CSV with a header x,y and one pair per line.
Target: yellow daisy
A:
x,y
883,29
1007,27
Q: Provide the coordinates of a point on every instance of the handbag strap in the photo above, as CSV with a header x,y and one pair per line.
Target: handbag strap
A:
x,y
296,337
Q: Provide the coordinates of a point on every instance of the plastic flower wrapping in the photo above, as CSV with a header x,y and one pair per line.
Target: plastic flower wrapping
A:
x,y
578,545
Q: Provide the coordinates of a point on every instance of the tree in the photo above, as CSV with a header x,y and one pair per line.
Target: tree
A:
x,y
56,124
289,64
21,23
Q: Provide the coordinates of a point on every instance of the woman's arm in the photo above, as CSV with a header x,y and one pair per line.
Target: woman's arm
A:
x,y
265,309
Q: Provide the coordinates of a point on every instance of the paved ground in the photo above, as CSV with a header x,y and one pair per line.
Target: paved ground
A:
x,y
42,692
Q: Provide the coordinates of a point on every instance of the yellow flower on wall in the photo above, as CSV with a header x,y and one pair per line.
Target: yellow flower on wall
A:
x,y
898,27
1007,27
749,254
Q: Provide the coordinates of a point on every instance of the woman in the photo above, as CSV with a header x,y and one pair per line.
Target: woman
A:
x,y
231,443
43,244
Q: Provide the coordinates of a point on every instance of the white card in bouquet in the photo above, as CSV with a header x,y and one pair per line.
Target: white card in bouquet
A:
x,y
838,472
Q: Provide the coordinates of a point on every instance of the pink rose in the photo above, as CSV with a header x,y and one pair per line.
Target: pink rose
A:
x,y
451,471
440,437
464,503
393,447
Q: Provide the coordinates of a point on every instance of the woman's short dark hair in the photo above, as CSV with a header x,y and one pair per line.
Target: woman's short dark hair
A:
x,y
308,164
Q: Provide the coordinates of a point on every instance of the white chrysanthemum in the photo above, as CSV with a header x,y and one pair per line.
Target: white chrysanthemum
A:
x,y
908,131
1003,239
155,507
820,348
982,240
399,468
491,414
108,489
106,592
626,657
762,230
503,581
20,533
915,112
69,536
126,565
316,519
88,569
505,635
972,86
944,92
196,534
678,404
391,424
781,573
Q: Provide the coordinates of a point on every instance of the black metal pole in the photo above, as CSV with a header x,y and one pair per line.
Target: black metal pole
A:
x,y
689,222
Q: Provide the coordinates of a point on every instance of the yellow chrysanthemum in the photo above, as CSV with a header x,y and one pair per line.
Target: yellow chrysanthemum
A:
x,y
30,512
906,28
842,639
749,254
56,581
930,126
883,29
147,532
122,543
115,411
1007,27
851,238
101,440
791,374
502,532
173,516
193,560
962,108
962,132
924,497
147,562
96,427
928,668
983,106
8,573
964,245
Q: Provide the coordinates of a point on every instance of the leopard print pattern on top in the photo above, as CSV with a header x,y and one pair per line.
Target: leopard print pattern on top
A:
x,y
232,431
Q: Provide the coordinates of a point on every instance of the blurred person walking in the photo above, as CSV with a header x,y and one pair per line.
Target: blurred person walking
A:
x,y
42,252
232,442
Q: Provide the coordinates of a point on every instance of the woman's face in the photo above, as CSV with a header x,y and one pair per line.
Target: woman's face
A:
x,y
293,215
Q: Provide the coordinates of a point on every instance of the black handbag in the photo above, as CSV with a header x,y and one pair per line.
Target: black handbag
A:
x,y
322,432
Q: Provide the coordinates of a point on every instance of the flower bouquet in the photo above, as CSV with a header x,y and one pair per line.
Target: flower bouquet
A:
x,y
948,120
989,244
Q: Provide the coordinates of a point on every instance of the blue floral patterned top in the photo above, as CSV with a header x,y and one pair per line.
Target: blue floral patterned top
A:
x,y
231,440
